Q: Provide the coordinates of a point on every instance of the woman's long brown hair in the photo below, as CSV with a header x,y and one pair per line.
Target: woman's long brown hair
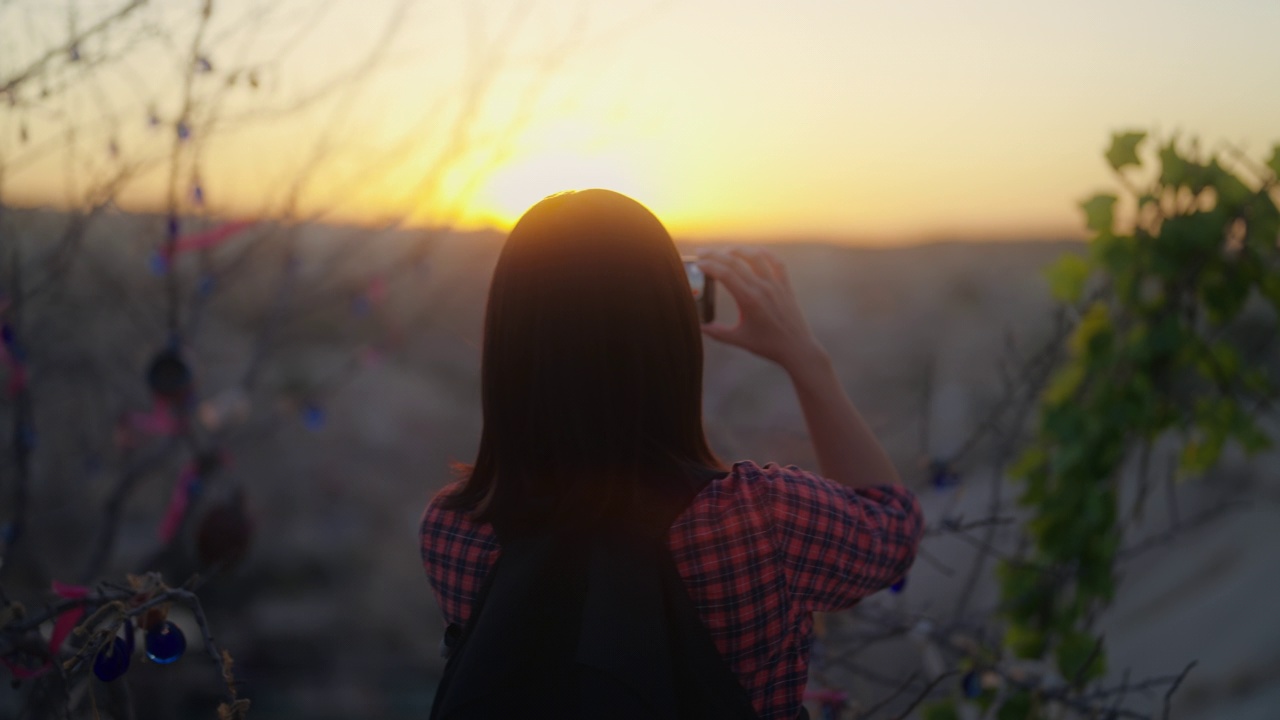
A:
x,y
591,374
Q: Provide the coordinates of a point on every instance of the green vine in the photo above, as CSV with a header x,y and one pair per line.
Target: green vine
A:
x,y
1175,263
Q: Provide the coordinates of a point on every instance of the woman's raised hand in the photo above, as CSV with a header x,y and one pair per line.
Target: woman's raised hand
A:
x,y
770,322
772,326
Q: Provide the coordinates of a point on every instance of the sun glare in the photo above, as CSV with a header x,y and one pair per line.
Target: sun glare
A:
x,y
514,188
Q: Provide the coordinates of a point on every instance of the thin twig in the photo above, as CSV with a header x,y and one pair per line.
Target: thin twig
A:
x,y
925,693
1168,696
911,679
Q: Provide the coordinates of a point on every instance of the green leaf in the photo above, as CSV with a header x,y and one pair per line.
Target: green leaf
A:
x,y
1274,162
941,710
1270,288
1188,241
1032,459
1025,591
1223,295
1124,149
1064,384
1099,212
1199,454
1025,642
1015,707
1077,659
1114,252
1067,276
1094,325
1232,191
1173,169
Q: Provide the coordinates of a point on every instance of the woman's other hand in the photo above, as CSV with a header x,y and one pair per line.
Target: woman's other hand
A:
x,y
770,322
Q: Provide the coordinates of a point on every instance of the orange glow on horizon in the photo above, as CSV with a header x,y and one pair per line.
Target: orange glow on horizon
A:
x,y
747,120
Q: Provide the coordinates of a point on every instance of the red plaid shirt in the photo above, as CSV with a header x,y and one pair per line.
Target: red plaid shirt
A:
x,y
760,550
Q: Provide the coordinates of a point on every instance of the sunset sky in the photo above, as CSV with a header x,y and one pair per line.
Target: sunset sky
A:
x,y
808,119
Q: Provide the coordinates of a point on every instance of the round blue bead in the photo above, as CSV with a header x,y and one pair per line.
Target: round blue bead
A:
x,y
165,643
943,475
971,684
898,586
313,417
112,660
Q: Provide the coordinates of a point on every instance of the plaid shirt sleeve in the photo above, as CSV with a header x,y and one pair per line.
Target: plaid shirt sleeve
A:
x,y
457,555
840,544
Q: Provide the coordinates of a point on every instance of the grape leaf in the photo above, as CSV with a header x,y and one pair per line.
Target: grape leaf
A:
x,y
1099,212
1077,658
1124,149
1067,276
941,710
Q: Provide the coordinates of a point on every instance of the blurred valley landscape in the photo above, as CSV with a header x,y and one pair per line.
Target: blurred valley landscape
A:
x,y
336,370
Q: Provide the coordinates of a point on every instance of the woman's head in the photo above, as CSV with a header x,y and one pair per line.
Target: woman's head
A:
x,y
592,366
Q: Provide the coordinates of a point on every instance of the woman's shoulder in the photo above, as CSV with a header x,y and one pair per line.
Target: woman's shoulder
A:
x,y
748,476
747,487
445,530
786,489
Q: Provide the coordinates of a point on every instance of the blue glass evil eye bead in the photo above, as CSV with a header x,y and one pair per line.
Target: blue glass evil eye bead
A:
x,y
943,475
313,417
165,643
971,684
112,660
898,586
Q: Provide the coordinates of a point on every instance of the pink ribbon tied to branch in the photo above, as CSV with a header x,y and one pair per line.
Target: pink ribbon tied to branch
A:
x,y
205,239
62,627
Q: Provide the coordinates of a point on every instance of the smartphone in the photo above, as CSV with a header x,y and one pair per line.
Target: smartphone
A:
x,y
704,289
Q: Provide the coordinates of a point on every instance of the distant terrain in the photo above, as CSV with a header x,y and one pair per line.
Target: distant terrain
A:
x,y
331,616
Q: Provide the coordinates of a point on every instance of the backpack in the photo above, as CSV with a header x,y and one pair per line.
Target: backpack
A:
x,y
574,623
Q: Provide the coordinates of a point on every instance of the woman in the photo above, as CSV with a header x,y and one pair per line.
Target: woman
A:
x,y
591,391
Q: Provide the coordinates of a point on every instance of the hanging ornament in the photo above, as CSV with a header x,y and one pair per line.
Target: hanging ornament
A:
x,y
159,264
211,238
27,436
12,355
197,192
172,227
153,118
62,627
113,148
831,702
112,660
184,130
313,416
187,490
165,643
168,376
187,486
943,475
225,533
971,684
158,421
73,52
898,586
203,65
